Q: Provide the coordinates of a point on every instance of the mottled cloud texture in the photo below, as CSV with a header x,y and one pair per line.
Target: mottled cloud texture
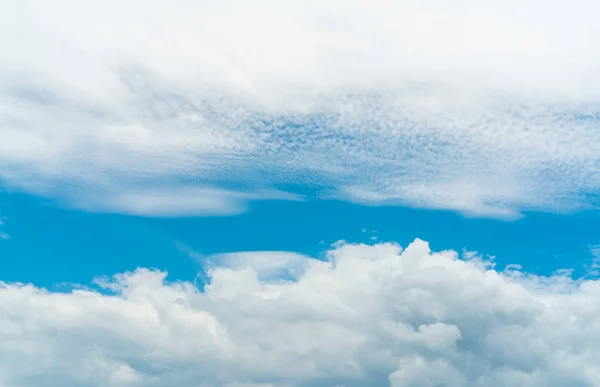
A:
x,y
485,108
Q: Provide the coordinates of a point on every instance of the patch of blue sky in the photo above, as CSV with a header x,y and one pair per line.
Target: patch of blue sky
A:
x,y
50,245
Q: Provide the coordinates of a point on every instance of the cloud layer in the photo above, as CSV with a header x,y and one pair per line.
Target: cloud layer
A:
x,y
369,315
483,108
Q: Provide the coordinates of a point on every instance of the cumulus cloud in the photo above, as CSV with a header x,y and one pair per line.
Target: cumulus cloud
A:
x,y
368,315
488,108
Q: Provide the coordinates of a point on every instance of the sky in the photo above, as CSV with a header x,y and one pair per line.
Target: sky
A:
x,y
299,193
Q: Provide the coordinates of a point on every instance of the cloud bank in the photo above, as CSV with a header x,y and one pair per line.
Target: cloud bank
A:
x,y
368,315
488,108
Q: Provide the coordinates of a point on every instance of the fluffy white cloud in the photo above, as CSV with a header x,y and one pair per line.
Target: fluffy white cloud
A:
x,y
483,108
369,315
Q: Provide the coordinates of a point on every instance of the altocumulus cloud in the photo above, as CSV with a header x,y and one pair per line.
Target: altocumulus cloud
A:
x,y
367,316
483,108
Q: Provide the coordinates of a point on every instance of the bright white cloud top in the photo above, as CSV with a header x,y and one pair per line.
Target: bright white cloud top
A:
x,y
487,108
368,316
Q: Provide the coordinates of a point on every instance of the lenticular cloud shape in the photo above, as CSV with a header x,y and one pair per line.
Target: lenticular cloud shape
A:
x,y
369,315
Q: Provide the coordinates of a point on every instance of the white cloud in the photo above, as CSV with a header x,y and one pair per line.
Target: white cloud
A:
x,y
3,234
177,202
594,267
266,264
370,315
487,108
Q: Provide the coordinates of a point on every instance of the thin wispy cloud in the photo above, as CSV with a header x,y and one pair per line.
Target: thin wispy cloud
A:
x,y
179,201
3,234
593,269
488,109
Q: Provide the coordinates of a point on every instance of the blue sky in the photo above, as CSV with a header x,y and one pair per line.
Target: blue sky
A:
x,y
299,193
50,245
